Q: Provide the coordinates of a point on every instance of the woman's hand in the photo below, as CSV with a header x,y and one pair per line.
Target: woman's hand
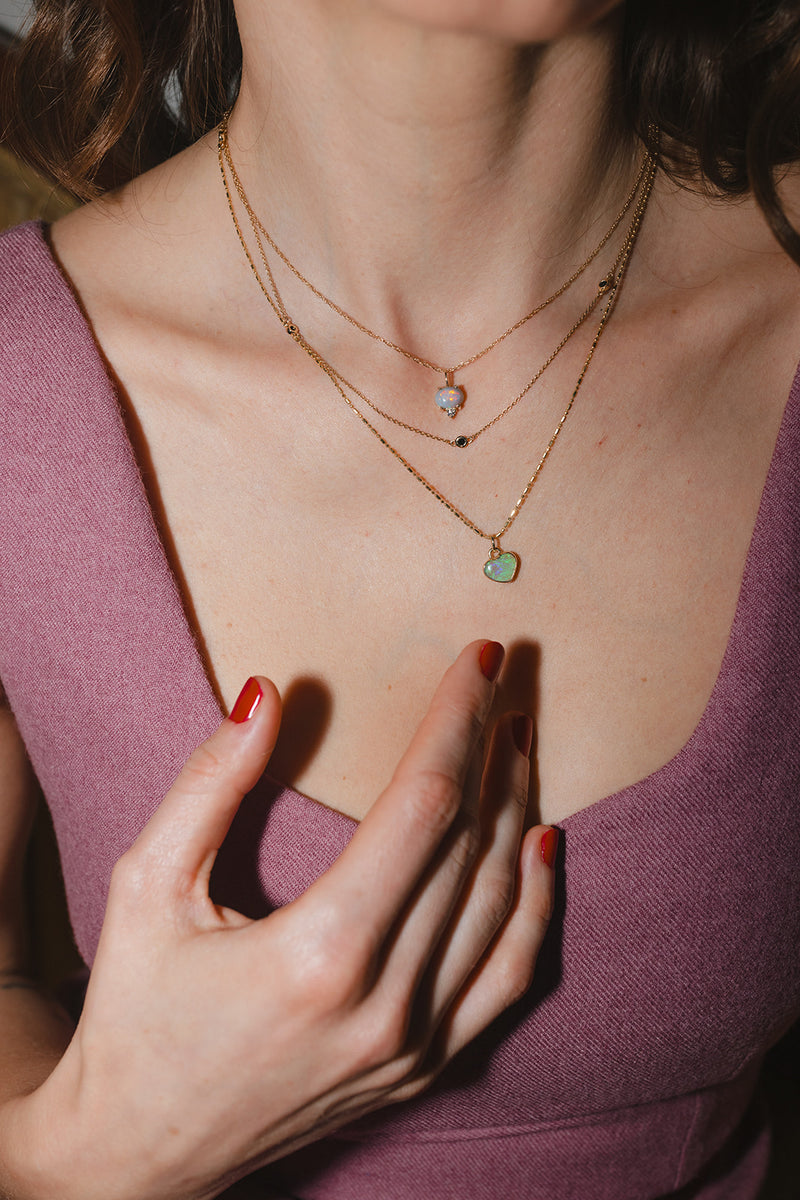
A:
x,y
211,1044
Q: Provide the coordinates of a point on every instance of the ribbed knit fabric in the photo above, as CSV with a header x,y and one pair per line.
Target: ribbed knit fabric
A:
x,y
629,1072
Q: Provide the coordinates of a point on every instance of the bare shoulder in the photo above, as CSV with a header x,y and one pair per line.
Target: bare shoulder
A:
x,y
154,269
123,249
725,292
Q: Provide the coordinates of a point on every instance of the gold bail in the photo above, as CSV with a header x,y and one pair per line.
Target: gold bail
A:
x,y
448,378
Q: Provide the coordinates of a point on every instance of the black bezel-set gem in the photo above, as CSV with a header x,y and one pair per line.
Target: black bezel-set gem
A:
x,y
461,441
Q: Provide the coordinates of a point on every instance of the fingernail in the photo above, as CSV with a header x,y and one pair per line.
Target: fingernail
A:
x,y
248,701
522,729
491,659
549,847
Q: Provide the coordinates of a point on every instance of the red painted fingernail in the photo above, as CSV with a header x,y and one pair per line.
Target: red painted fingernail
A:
x,y
248,701
522,729
491,659
549,847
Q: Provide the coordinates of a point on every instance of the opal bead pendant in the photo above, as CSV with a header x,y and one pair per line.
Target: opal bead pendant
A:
x,y
450,397
502,566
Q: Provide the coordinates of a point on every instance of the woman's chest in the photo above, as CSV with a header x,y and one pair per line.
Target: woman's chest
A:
x,y
308,552
684,877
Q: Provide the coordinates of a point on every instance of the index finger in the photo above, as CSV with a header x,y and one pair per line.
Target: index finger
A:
x,y
394,844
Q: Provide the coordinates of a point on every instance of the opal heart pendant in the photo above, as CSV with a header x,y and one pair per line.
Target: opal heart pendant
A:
x,y
449,399
501,566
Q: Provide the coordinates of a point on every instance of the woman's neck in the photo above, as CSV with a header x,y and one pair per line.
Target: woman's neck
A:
x,y
414,172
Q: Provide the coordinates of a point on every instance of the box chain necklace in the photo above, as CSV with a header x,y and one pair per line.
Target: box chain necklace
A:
x,y
502,566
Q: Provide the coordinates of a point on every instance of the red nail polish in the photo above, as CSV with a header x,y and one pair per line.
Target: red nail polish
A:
x,y
522,729
491,659
549,847
248,701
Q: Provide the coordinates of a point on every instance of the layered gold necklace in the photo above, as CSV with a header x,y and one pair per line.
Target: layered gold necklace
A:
x,y
502,566
450,398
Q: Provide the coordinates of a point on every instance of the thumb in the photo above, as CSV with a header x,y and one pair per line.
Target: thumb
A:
x,y
181,839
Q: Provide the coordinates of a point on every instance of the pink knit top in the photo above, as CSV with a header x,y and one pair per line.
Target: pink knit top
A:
x,y
630,1070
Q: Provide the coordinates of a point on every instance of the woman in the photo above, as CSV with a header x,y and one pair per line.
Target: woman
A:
x,y
436,172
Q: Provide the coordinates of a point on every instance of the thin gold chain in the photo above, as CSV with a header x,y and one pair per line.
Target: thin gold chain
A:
x,y
494,538
647,176
466,439
462,440
260,231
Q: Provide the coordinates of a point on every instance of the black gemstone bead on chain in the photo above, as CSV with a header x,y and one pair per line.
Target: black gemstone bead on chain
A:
x,y
461,441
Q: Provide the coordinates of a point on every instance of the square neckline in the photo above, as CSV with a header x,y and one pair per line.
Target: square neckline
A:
x,y
573,821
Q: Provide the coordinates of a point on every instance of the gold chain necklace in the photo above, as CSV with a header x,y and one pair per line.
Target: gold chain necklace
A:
x,y
450,398
461,441
502,566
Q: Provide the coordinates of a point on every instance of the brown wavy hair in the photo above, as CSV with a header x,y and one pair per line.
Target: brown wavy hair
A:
x,y
100,90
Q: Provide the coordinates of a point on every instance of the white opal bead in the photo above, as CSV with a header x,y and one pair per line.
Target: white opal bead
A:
x,y
450,399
